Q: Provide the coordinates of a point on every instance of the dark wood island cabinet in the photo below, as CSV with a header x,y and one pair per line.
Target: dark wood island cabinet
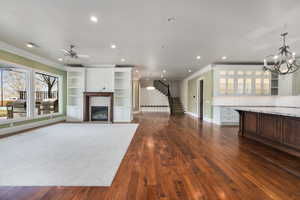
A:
x,y
273,126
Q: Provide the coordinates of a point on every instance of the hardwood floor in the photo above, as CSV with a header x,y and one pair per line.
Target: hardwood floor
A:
x,y
179,158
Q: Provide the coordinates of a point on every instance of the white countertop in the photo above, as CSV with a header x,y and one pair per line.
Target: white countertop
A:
x,y
284,111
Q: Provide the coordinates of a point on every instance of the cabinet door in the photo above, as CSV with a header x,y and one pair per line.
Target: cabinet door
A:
x,y
74,113
251,122
271,127
118,114
291,134
127,114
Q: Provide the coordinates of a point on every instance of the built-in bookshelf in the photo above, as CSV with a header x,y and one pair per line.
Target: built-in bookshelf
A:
x,y
123,95
75,89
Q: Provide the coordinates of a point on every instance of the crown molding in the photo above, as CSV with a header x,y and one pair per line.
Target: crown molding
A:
x,y
20,52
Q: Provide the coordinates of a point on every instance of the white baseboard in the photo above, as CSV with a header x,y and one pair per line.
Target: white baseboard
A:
x,y
24,127
196,116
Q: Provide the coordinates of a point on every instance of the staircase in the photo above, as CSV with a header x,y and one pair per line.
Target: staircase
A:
x,y
176,107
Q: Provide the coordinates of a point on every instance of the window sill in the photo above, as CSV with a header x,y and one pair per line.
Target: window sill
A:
x,y
21,119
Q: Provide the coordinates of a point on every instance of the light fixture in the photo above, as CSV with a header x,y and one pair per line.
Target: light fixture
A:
x,y
30,45
171,19
94,19
198,57
123,60
224,58
60,59
189,71
137,71
284,62
164,71
113,46
150,88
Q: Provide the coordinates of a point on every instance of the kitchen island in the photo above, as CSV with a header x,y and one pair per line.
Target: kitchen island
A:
x,y
278,127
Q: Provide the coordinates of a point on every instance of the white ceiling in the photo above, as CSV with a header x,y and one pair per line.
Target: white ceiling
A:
x,y
240,30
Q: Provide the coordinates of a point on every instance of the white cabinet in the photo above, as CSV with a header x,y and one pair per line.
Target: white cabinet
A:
x,y
230,81
75,89
116,80
225,116
100,79
123,95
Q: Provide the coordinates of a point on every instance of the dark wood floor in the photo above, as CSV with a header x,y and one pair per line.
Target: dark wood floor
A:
x,y
181,158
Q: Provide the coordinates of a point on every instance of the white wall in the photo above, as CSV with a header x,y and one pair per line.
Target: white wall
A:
x,y
183,93
183,85
153,97
174,88
99,78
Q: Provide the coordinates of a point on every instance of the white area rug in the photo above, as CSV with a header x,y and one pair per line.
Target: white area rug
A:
x,y
65,155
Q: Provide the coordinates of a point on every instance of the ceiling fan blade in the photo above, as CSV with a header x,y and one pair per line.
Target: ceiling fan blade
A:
x,y
65,51
83,56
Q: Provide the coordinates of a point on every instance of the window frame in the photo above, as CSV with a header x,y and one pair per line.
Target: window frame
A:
x,y
30,89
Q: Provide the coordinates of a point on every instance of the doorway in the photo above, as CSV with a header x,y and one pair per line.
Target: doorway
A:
x,y
201,99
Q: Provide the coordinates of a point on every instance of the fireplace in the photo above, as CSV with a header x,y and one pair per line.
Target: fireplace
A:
x,y
99,113
96,109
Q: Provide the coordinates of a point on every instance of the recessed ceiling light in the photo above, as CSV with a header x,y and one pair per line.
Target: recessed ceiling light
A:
x,y
164,71
171,19
113,46
224,58
60,59
123,60
294,53
198,57
189,71
94,19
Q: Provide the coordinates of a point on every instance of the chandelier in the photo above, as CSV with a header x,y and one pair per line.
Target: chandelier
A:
x,y
284,62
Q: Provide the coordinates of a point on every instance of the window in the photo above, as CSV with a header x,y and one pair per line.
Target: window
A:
x,y
248,86
240,86
13,92
46,94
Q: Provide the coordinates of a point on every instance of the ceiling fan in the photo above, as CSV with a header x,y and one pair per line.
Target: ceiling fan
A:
x,y
72,53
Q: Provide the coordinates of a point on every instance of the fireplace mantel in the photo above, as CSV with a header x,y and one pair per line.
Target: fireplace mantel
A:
x,y
86,103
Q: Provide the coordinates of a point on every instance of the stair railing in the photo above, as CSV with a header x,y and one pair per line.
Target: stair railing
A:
x,y
165,89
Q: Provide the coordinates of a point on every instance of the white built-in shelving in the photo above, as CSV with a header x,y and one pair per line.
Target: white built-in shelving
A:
x,y
123,95
75,89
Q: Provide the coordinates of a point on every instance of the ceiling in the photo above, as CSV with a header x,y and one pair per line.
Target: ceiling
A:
x,y
240,30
